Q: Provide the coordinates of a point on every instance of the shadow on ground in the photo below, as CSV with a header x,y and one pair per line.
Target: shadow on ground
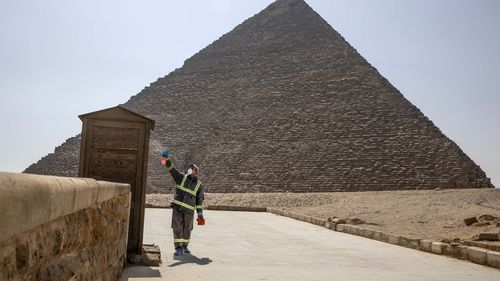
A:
x,y
141,271
184,259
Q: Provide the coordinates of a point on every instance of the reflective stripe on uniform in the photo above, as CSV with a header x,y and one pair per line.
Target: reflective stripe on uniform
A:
x,y
192,192
171,166
182,204
181,240
183,180
198,184
199,206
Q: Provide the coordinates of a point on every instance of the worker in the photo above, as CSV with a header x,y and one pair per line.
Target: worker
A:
x,y
188,197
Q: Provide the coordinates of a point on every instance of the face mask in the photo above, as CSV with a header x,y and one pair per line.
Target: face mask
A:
x,y
190,171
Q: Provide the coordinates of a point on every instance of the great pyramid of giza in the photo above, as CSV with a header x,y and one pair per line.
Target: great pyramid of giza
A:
x,y
283,103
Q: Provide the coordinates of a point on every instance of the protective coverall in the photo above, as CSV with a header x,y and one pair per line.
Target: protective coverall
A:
x,y
188,197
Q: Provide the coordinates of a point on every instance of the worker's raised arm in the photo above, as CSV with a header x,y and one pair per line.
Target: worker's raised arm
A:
x,y
165,160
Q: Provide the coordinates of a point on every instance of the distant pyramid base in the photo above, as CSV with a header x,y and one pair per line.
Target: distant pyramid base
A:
x,y
283,103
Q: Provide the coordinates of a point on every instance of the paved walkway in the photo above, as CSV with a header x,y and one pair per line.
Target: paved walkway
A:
x,y
262,246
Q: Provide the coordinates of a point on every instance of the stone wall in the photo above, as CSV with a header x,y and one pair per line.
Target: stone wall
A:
x,y
283,103
55,228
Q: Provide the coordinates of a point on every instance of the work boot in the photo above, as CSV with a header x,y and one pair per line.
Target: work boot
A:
x,y
178,251
186,250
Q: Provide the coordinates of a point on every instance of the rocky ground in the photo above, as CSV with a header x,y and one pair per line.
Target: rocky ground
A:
x,y
425,214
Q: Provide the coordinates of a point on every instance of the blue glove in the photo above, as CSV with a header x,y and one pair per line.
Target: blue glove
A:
x,y
164,157
200,215
164,153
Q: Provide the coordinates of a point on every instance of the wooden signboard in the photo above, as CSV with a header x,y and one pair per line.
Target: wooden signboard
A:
x,y
114,147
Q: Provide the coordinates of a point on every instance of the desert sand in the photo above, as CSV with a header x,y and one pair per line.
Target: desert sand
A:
x,y
424,214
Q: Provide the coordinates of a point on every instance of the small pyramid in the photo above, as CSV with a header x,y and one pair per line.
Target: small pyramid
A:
x,y
283,103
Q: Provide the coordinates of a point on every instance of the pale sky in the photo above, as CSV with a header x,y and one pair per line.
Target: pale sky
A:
x,y
62,58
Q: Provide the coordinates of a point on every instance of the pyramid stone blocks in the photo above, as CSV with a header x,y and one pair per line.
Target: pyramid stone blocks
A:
x,y
283,103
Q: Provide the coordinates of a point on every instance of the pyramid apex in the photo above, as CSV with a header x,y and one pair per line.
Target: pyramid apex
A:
x,y
287,4
290,1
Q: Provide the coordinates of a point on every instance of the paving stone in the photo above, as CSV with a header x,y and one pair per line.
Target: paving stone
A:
x,y
493,258
437,248
477,255
338,220
411,243
460,252
484,245
377,235
384,237
369,233
394,239
425,245
341,227
333,226
448,250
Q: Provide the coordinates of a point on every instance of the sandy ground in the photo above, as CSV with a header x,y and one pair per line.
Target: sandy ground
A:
x,y
425,214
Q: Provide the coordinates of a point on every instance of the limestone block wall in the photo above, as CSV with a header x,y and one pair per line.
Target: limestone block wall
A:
x,y
57,228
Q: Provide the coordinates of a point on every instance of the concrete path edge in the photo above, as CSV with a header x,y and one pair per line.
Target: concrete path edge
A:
x,y
469,253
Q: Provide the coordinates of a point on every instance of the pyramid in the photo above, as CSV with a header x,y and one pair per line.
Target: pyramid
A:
x,y
282,103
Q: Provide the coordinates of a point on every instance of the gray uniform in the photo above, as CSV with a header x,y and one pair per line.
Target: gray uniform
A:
x,y
188,197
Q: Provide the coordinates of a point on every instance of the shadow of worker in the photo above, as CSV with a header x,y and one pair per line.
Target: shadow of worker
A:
x,y
184,259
